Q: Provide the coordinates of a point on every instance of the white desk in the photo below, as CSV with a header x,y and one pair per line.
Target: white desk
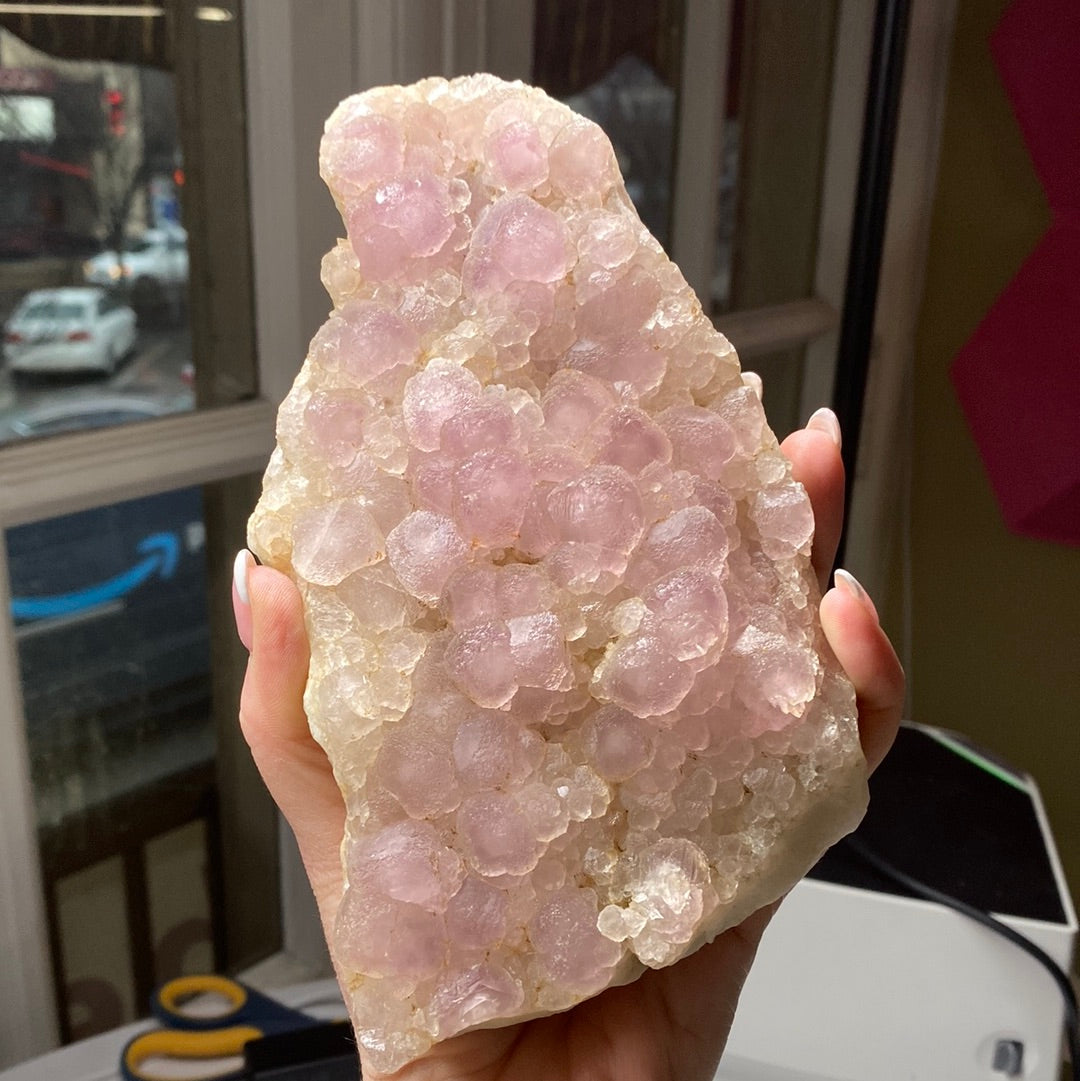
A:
x,y
98,1058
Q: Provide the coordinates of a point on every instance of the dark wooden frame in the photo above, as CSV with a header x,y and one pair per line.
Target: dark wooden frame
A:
x,y
123,827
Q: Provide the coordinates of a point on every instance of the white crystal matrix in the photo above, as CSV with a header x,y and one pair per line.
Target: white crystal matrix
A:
x,y
566,659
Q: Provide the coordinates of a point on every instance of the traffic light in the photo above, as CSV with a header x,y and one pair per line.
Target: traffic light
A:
x,y
114,112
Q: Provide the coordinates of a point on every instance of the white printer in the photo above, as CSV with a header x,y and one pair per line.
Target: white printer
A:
x,y
859,980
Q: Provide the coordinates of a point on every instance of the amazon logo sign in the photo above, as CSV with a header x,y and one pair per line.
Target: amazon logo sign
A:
x,y
110,606
73,565
157,556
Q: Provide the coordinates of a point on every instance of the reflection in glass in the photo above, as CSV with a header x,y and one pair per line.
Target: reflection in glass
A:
x,y
781,372
617,62
623,64
113,646
779,85
726,207
93,255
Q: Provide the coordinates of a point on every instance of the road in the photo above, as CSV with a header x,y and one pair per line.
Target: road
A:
x,y
152,371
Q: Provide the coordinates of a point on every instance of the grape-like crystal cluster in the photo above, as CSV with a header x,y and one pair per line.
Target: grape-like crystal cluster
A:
x,y
565,652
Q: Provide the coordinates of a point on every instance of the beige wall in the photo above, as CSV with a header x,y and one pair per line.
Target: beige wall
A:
x,y
996,617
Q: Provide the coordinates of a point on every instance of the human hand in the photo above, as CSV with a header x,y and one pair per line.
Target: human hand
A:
x,y
672,1022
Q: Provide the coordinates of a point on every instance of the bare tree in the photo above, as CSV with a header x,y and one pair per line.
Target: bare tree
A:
x,y
119,165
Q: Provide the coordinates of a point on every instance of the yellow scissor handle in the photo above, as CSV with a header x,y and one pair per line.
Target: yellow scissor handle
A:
x,y
174,993
169,1043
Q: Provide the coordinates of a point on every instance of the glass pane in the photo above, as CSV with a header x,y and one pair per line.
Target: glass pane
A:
x,y
772,152
112,633
781,374
98,970
100,323
94,271
622,63
123,145
618,62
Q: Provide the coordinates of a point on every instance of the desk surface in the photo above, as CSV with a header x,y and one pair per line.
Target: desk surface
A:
x,y
97,1059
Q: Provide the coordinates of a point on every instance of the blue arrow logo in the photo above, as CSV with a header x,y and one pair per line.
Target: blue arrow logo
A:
x,y
161,552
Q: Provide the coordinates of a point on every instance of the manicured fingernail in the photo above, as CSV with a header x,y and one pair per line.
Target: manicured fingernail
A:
x,y
824,420
850,584
753,381
241,565
847,581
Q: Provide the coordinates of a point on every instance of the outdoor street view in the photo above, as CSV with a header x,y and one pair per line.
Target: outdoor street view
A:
x,y
93,300
93,256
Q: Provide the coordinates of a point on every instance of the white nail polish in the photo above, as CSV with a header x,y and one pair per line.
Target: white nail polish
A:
x,y
753,381
824,420
850,584
241,564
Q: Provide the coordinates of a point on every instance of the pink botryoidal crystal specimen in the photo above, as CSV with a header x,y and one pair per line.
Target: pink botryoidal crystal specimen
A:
x,y
566,659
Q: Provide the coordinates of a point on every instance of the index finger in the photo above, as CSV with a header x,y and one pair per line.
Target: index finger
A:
x,y
816,464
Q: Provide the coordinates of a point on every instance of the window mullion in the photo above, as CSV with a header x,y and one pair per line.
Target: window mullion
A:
x,y
507,27
28,1020
757,331
69,473
854,30
702,98
271,54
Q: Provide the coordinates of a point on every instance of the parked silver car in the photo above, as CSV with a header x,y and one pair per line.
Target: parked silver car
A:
x,y
156,255
108,409
69,329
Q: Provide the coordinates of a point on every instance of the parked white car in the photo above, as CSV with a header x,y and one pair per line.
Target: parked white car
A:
x,y
158,256
71,329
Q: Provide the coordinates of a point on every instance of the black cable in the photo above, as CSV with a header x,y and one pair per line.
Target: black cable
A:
x,y
921,889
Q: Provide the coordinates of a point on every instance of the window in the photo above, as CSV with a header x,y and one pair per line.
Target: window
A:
x,y
112,635
23,117
135,846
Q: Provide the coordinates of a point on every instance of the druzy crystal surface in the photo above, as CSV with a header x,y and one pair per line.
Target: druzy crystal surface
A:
x,y
565,652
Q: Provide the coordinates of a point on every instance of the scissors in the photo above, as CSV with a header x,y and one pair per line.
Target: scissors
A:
x,y
189,1037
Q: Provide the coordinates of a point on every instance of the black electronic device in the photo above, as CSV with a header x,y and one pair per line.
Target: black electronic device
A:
x,y
324,1052
958,819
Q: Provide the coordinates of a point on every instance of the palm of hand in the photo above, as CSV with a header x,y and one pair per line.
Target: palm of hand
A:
x,y
671,1023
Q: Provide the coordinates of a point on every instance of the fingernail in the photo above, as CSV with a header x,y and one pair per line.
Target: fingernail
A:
x,y
243,562
824,420
753,381
847,581
850,584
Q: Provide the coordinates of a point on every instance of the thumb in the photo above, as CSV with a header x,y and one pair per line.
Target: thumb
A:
x,y
272,719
